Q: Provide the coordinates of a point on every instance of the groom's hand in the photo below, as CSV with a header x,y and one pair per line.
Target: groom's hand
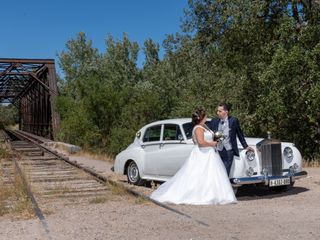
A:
x,y
249,149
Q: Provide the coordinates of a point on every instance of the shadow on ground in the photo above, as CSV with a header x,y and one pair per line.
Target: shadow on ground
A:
x,y
254,192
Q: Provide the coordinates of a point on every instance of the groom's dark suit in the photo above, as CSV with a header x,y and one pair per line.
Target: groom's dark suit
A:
x,y
234,131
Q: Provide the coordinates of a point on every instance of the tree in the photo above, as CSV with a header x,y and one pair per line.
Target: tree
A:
x,y
260,56
9,115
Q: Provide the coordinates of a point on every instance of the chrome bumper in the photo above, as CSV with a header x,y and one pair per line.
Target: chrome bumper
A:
x,y
264,179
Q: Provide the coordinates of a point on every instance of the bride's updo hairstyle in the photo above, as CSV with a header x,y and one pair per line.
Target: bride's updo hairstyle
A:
x,y
198,115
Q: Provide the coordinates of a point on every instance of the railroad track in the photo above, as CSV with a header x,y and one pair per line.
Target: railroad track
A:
x,y
53,180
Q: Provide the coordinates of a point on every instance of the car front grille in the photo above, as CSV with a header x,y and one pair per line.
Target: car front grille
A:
x,y
271,158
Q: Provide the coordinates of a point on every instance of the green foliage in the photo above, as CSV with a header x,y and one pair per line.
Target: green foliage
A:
x,y
8,115
77,128
260,56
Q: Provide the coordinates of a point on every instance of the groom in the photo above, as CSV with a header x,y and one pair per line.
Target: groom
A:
x,y
230,126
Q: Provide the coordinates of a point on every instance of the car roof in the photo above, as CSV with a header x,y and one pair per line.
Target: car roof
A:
x,y
173,120
179,121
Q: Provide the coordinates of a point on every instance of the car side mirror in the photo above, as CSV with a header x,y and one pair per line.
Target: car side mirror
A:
x,y
138,135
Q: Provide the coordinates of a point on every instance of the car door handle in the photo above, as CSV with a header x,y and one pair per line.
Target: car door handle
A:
x,y
161,145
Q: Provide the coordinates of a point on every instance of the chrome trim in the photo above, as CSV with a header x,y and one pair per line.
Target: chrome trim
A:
x,y
150,144
264,179
248,157
285,154
301,174
167,142
161,143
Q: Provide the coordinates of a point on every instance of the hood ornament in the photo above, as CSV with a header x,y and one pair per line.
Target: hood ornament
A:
x,y
269,134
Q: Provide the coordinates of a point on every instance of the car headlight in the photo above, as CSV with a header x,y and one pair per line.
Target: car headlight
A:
x,y
250,155
288,154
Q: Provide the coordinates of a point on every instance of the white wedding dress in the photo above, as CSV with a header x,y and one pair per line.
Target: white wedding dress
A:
x,y
201,180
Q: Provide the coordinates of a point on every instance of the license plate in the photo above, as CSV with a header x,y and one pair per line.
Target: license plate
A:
x,y
279,182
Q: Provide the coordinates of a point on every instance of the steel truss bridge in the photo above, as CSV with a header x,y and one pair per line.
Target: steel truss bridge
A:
x,y
31,86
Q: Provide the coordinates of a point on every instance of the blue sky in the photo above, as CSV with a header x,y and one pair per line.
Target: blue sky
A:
x,y
40,29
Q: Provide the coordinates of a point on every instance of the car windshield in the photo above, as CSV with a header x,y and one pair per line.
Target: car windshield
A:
x,y
188,127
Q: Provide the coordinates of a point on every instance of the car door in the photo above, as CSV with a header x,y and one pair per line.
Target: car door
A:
x,y
173,150
151,149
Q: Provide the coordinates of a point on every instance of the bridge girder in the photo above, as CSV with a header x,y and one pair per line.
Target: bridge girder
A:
x,y
31,85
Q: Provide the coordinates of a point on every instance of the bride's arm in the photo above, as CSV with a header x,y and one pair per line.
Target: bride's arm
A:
x,y
199,132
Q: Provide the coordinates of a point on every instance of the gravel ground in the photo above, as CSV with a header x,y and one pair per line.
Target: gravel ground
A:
x,y
260,213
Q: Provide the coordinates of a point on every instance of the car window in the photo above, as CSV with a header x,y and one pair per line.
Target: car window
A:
x,y
172,132
188,127
152,134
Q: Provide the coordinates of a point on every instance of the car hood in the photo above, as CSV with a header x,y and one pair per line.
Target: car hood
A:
x,y
252,141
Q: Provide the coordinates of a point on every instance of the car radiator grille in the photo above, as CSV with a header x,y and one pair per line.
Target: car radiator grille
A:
x,y
271,158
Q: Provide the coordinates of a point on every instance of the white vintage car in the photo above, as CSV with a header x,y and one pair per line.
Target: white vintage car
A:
x,y
160,148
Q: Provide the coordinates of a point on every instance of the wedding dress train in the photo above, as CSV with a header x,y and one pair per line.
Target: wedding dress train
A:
x,y
201,180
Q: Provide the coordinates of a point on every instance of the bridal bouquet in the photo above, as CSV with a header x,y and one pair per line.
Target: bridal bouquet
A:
x,y
218,136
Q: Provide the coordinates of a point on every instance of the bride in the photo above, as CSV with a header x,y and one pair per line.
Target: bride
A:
x,y
203,178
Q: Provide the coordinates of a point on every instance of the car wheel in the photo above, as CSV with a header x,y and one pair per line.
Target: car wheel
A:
x,y
133,174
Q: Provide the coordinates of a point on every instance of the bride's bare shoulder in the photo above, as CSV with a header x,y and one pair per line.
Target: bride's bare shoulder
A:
x,y
198,127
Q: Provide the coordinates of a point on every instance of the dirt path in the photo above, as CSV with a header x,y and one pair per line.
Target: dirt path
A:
x,y
260,213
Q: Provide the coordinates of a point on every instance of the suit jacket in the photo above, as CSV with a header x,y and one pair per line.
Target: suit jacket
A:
x,y
235,130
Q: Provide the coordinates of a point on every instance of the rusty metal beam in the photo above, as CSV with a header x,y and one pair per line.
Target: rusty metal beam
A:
x,y
18,60
7,70
43,84
17,73
41,70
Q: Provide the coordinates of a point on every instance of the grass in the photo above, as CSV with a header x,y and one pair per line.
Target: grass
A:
x,y
13,127
120,190
13,190
96,156
117,191
312,163
97,200
141,200
4,154
83,153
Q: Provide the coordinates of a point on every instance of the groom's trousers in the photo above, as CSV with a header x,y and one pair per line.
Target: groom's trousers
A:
x,y
227,158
